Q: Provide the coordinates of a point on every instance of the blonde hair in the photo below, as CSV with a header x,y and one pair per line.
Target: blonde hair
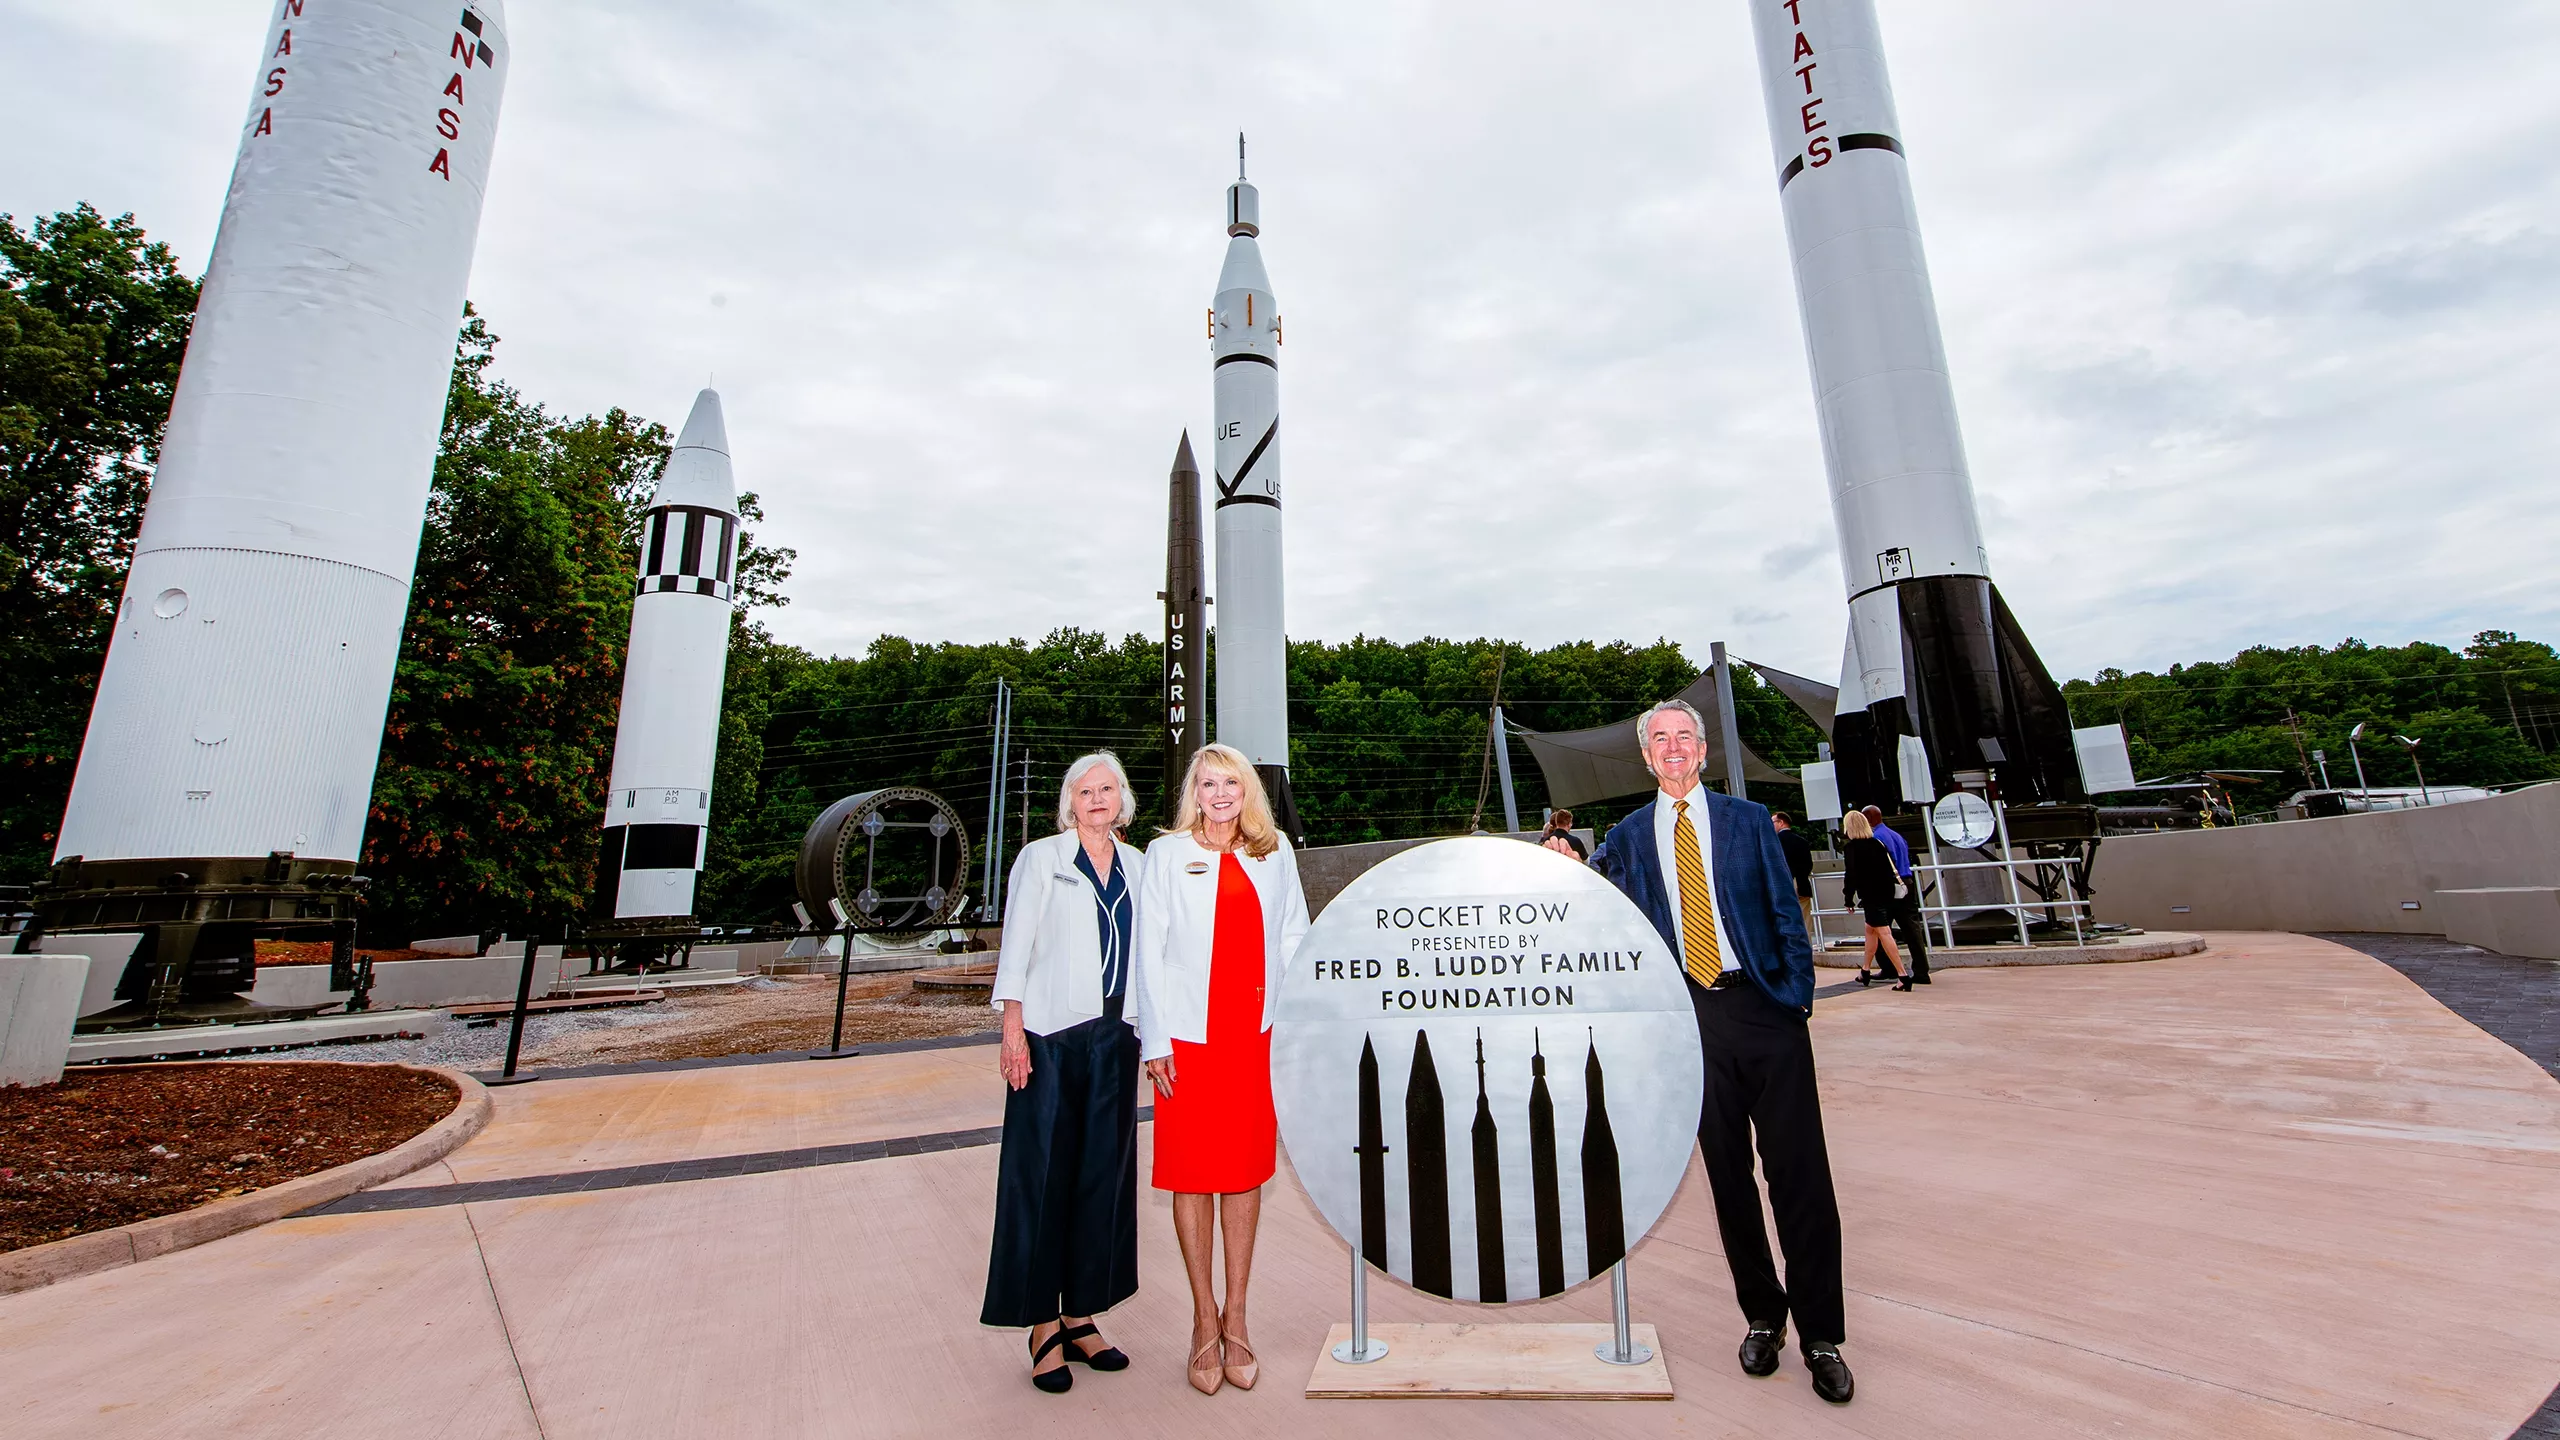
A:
x,y
1855,826
1075,772
1257,834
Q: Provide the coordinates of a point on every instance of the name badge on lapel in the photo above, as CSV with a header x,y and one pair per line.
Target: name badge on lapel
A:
x,y
1196,867
1065,879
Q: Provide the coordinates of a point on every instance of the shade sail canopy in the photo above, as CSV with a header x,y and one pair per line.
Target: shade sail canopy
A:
x,y
1603,762
1818,701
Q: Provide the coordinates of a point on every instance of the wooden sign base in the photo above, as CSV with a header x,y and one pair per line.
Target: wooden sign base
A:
x,y
1490,1362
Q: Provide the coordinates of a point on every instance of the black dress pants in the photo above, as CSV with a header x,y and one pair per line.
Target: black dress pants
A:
x,y
1914,930
1760,1083
1066,1233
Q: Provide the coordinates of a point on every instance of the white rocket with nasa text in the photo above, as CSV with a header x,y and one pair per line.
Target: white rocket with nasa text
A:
x,y
658,814
240,711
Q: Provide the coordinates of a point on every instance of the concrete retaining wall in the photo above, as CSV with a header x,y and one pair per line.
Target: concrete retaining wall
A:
x,y
2512,920
39,1002
2351,872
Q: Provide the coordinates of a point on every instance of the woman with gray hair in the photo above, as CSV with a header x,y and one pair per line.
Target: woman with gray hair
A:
x,y
1066,1231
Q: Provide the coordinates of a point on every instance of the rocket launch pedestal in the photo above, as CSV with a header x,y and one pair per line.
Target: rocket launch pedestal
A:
x,y
1252,641
1932,650
227,773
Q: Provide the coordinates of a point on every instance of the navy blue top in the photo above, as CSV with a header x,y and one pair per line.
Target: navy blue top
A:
x,y
1897,847
1111,912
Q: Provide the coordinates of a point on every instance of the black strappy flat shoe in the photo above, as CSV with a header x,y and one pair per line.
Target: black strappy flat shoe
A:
x,y
1060,1380
1106,1358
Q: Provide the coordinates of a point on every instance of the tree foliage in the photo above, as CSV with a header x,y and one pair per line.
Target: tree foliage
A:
x,y
2488,714
94,318
1387,739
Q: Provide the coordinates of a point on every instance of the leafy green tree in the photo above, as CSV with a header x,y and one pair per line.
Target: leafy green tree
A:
x,y
94,318
490,786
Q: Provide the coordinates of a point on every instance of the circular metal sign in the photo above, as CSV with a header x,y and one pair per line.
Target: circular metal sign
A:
x,y
1486,1068
1964,819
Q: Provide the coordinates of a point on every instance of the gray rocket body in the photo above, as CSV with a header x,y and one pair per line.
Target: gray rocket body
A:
x,y
658,814
1186,625
1252,640
1932,650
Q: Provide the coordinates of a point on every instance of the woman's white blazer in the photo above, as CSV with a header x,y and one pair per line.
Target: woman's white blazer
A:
x,y
1051,957
1178,922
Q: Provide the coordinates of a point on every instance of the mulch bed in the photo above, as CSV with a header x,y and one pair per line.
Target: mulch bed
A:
x,y
109,1147
316,952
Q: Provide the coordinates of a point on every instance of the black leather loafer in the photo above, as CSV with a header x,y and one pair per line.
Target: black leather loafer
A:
x,y
1760,1350
1831,1378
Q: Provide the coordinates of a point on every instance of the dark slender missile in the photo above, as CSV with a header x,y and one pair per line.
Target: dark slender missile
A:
x,y
1186,624
1491,1284
1604,1208
1426,1171
1543,1201
1372,1151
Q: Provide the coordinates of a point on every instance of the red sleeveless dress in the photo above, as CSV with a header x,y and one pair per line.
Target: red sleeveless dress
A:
x,y
1216,1133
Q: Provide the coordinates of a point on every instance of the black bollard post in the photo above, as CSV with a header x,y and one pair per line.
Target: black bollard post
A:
x,y
844,973
515,1025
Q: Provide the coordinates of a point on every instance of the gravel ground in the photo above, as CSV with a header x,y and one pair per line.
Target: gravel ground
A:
x,y
762,1015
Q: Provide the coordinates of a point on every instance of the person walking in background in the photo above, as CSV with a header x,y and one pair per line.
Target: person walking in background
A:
x,y
1559,835
1707,869
1907,915
1220,914
1867,879
1799,862
1066,1232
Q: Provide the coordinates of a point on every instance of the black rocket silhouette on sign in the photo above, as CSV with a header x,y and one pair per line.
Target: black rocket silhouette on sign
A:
x,y
1372,1151
1491,1286
1604,1211
1547,1208
1426,1168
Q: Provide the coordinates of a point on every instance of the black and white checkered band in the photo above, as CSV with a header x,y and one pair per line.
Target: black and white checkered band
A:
x,y
687,549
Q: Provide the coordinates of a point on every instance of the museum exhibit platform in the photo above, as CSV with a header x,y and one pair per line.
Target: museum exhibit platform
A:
x,y
2272,1189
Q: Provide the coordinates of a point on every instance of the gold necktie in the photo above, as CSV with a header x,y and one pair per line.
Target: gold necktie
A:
x,y
1697,901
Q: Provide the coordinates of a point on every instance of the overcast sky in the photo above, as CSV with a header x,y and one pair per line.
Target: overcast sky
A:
x,y
2251,308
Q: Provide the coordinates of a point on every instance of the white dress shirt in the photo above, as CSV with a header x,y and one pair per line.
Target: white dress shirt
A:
x,y
1664,817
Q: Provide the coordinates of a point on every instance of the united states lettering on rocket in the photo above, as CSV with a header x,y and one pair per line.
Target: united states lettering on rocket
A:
x,y
1252,643
658,815
1186,624
1932,649
240,710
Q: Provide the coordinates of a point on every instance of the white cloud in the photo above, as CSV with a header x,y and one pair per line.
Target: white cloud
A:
x,y
2248,307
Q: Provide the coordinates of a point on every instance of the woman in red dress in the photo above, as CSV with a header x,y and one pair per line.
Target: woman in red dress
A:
x,y
1219,914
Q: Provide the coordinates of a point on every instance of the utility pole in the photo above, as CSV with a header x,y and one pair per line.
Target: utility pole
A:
x,y
991,907
2293,722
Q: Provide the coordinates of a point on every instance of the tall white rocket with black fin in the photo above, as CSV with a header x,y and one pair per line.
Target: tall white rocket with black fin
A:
x,y
239,715
1252,641
657,821
1932,650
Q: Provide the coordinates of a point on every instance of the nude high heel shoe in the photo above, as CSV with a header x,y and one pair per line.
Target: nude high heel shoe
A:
x,y
1242,1375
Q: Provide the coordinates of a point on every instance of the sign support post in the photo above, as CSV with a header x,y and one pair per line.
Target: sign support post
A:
x,y
1359,1349
1622,1348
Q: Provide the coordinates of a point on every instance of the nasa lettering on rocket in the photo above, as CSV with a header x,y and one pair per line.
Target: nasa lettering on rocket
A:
x,y
240,710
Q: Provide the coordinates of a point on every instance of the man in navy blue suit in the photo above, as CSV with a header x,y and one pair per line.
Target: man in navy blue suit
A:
x,y
1708,870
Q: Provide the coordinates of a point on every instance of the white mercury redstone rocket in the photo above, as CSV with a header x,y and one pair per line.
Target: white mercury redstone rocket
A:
x,y
1932,650
1252,643
658,816
241,708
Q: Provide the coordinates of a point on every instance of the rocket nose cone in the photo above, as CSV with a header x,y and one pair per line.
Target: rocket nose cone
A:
x,y
1243,270
1183,464
704,429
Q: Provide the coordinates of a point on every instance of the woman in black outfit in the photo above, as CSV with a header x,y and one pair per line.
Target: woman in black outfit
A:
x,y
1869,880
